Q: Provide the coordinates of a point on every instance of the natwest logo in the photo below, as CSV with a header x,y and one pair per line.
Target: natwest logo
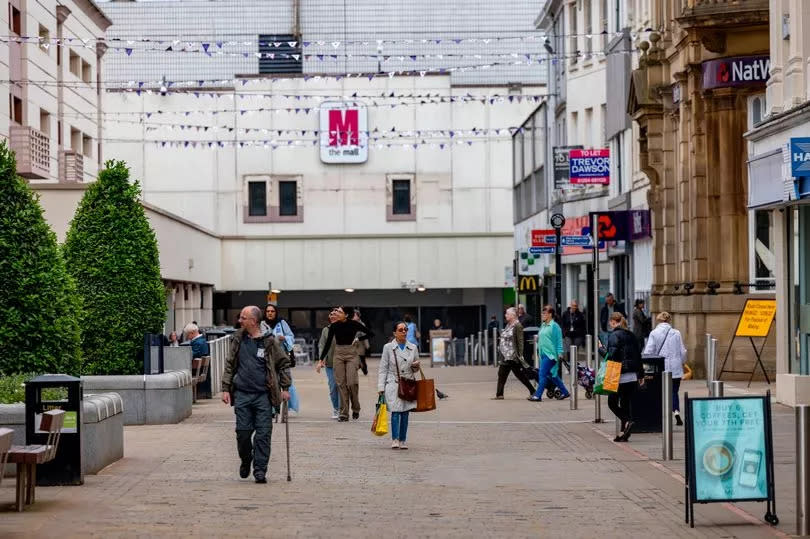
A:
x,y
736,71
344,132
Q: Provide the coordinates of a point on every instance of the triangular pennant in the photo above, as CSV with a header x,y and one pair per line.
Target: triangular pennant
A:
x,y
128,51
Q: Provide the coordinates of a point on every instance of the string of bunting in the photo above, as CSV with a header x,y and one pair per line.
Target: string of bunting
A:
x,y
299,143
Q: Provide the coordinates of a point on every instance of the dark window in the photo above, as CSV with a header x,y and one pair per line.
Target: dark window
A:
x,y
287,198
15,109
280,53
402,197
14,20
257,198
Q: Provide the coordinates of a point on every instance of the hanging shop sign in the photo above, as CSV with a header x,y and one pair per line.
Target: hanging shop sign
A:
x,y
344,132
562,168
589,166
800,157
738,71
729,452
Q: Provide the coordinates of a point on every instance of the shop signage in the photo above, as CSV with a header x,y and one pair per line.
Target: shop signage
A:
x,y
562,165
528,283
544,237
800,157
624,225
344,132
736,71
589,166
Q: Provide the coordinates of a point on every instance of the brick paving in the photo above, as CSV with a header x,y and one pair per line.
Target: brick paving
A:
x,y
475,468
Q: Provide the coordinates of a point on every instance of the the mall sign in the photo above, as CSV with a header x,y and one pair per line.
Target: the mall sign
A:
x,y
750,71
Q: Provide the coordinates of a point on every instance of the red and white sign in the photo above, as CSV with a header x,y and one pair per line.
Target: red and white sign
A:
x,y
544,238
344,132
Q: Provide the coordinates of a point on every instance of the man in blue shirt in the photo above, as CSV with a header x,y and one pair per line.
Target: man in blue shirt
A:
x,y
413,333
199,346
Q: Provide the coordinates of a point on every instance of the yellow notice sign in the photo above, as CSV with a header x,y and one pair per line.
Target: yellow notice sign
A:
x,y
756,318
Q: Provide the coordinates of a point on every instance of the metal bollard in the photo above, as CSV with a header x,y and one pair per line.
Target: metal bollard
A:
x,y
572,353
713,359
666,415
707,361
597,399
588,350
482,349
802,470
467,350
717,388
486,346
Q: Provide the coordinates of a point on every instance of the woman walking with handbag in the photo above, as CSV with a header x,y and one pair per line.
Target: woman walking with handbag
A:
x,y
666,341
623,347
510,354
396,377
345,362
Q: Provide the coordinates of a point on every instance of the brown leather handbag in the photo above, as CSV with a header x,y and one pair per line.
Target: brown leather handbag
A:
x,y
406,388
425,394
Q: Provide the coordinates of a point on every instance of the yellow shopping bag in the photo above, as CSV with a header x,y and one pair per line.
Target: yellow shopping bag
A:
x,y
613,372
379,426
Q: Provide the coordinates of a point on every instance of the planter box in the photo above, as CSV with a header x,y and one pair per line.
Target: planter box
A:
x,y
102,430
153,399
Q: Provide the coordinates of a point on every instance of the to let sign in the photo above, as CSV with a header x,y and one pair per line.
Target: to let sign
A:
x,y
344,132
589,166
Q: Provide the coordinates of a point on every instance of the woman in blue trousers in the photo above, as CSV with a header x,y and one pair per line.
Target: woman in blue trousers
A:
x,y
549,348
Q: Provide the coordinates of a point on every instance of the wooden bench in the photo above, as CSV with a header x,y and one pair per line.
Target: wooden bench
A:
x,y
26,457
6,435
199,373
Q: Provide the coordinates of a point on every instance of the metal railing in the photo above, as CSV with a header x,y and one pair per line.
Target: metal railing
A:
x,y
219,355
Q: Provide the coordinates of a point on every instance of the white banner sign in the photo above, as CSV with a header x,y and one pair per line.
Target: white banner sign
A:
x,y
344,132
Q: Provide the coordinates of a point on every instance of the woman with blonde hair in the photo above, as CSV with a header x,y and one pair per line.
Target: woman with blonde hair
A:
x,y
666,341
623,347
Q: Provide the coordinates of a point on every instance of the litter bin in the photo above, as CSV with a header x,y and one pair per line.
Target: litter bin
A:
x,y
646,402
56,392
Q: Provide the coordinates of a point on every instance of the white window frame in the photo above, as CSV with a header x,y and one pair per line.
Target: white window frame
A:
x,y
752,259
389,197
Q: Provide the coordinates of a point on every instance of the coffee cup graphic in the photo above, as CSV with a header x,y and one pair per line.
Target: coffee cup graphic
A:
x,y
718,458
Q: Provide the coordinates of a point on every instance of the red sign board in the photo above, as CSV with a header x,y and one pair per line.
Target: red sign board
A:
x,y
540,238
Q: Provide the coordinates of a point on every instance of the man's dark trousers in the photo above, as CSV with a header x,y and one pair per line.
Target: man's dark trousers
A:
x,y
254,413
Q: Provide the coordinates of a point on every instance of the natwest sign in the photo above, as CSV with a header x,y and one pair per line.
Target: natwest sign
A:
x,y
589,166
344,132
736,71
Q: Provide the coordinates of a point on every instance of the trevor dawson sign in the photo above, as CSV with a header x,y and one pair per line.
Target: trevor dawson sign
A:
x,y
589,166
344,132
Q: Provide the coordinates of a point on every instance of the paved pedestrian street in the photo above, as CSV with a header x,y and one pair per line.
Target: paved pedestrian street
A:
x,y
475,468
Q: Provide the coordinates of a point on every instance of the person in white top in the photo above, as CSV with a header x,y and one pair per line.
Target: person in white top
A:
x,y
666,341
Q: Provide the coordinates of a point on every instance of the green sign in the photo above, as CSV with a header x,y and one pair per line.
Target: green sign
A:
x,y
729,449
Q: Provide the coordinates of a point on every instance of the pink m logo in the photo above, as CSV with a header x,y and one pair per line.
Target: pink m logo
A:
x,y
343,130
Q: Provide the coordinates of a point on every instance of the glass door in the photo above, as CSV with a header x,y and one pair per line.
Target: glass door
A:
x,y
799,260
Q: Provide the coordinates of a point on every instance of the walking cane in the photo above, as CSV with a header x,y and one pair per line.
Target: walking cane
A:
x,y
287,436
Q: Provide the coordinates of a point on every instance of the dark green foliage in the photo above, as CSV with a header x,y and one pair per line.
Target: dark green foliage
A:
x,y
112,253
39,329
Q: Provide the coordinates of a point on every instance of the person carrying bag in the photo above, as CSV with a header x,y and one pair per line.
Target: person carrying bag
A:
x,y
396,382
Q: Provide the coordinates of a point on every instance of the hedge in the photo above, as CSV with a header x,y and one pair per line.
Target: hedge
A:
x,y
39,329
112,253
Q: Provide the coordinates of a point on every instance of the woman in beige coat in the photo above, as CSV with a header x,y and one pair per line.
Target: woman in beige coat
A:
x,y
402,356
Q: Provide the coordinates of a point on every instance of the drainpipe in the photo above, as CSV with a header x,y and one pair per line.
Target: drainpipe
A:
x,y
101,48
62,13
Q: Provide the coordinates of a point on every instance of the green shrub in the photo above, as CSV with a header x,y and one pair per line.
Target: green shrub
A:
x,y
39,306
112,253
12,387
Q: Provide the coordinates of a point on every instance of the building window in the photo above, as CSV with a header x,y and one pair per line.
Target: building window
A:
x,y
44,39
87,72
280,53
75,63
588,27
14,20
59,132
15,109
87,146
76,140
763,257
757,107
44,122
573,48
257,198
402,197
287,198
400,205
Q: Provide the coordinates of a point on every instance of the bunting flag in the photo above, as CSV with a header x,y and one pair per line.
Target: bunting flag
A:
x,y
274,144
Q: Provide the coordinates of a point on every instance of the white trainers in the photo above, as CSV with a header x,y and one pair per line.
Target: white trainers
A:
x,y
395,444
335,414
402,445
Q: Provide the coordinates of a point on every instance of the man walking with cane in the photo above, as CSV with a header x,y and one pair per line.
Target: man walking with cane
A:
x,y
256,378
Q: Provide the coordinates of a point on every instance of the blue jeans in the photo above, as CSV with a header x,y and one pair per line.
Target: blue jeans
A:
x,y
676,385
399,425
333,390
546,364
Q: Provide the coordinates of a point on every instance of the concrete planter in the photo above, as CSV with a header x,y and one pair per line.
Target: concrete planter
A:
x,y
153,399
102,430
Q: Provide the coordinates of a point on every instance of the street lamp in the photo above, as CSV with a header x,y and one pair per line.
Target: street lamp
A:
x,y
413,286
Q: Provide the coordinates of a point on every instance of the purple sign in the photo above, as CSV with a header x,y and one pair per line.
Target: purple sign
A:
x,y
640,226
736,71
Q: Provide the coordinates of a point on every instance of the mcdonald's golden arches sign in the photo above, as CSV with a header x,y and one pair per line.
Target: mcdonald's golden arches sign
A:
x,y
528,283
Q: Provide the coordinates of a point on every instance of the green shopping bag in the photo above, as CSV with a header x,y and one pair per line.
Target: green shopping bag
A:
x,y
599,383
